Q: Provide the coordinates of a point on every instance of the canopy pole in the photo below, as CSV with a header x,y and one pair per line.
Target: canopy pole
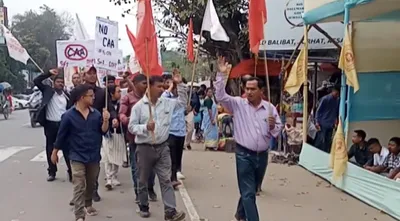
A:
x,y
342,107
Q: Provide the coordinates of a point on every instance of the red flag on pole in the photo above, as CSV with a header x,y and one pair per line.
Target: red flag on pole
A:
x,y
189,49
145,43
257,10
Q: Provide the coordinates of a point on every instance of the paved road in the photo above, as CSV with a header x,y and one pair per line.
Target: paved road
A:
x,y
291,193
25,194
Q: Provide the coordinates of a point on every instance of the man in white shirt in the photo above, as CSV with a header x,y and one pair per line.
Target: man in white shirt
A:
x,y
55,103
151,135
380,153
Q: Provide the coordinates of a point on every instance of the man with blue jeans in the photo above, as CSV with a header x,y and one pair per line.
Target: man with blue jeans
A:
x,y
325,119
127,102
255,121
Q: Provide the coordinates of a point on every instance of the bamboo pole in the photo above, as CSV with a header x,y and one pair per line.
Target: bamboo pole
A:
x,y
194,68
305,92
148,87
34,62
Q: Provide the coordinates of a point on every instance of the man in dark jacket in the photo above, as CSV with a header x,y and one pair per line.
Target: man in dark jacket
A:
x,y
55,102
99,103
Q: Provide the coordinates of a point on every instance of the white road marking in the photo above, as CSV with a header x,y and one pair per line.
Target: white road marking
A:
x,y
192,212
41,157
6,153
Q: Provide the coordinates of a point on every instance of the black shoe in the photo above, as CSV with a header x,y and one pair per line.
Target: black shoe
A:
x,y
51,178
71,203
144,211
175,216
125,165
189,147
152,195
96,197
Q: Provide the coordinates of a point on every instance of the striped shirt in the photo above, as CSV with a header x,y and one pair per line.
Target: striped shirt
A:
x,y
56,107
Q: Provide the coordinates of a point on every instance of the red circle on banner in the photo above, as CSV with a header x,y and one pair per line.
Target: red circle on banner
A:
x,y
76,52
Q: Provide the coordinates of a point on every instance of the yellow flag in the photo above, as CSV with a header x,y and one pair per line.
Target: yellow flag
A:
x,y
338,155
347,63
298,73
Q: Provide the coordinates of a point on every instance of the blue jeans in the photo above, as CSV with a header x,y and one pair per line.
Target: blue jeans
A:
x,y
132,156
250,169
323,139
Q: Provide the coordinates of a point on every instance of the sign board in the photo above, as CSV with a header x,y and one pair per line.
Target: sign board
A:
x,y
120,62
75,53
284,28
106,44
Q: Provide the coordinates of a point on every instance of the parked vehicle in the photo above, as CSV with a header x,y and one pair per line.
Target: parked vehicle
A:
x,y
19,103
34,104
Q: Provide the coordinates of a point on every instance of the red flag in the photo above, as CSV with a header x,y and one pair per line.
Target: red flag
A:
x,y
257,10
147,35
189,49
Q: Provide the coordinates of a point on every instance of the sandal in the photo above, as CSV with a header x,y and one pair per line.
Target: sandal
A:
x,y
91,211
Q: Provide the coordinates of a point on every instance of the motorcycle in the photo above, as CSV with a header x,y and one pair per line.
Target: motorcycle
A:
x,y
34,105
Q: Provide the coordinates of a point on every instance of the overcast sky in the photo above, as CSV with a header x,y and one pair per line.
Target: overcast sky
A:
x,y
87,11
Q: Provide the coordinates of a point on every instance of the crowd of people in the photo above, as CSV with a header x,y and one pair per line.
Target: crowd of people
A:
x,y
157,121
369,154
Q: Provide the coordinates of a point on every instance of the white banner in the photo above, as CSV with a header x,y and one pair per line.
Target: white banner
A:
x,y
15,49
284,28
106,46
75,53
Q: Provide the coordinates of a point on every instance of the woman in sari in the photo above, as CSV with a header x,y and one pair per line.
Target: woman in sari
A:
x,y
209,124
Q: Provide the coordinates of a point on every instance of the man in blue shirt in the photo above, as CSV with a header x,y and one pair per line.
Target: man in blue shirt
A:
x,y
177,133
80,132
326,117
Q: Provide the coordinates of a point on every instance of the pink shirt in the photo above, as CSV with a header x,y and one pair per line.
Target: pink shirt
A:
x,y
250,123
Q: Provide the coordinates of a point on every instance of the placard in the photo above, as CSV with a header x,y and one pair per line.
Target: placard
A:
x,y
120,62
75,53
284,28
106,44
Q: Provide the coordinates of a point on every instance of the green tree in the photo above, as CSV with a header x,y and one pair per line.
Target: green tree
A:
x,y
38,32
174,20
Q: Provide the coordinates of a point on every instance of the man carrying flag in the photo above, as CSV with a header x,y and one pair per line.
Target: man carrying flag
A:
x,y
152,151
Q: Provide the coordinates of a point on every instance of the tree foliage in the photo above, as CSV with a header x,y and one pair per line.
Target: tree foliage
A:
x,y
38,32
174,16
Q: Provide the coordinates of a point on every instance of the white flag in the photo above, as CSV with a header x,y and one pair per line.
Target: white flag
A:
x,y
80,32
211,23
133,64
15,49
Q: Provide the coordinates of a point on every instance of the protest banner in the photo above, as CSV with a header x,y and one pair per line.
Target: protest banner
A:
x,y
75,53
106,44
120,62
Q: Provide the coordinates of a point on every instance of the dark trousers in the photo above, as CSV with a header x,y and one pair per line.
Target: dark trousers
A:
x,y
155,158
323,139
176,145
134,170
50,131
250,169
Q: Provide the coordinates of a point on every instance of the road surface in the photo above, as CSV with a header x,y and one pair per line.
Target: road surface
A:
x,y
209,192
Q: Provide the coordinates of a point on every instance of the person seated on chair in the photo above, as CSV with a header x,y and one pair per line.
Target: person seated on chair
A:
x,y
391,164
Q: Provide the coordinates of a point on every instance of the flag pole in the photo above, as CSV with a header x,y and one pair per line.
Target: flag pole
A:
x,y
255,64
194,68
33,61
267,73
148,86
305,91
